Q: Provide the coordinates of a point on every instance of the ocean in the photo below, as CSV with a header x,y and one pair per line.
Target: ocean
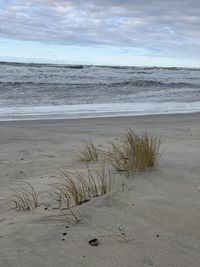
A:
x,y
46,91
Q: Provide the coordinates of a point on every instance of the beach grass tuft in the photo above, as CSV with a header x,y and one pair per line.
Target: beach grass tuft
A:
x,y
134,152
75,188
89,153
117,157
143,150
24,197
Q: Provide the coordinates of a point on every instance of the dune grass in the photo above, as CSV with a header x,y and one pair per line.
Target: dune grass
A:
x,y
131,153
89,153
23,198
117,157
143,150
134,152
75,188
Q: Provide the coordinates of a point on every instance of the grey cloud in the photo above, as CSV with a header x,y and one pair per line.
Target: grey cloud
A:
x,y
152,27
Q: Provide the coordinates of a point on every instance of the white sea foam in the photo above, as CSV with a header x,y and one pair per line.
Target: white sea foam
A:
x,y
96,110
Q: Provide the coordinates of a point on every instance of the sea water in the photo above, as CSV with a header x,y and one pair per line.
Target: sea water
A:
x,y
46,91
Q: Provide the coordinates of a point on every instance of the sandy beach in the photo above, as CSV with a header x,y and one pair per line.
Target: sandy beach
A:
x,y
159,208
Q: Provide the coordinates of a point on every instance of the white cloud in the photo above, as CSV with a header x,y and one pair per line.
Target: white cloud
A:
x,y
155,26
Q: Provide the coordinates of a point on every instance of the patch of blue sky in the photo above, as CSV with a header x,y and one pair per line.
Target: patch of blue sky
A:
x,y
27,51
115,21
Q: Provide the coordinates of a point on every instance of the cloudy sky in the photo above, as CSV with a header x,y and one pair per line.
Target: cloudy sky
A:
x,y
137,32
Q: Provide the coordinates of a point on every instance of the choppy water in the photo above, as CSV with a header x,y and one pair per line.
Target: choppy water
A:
x,y
50,91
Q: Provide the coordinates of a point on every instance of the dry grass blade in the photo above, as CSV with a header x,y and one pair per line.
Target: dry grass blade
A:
x,y
100,181
117,156
59,195
74,217
121,234
24,198
89,153
73,187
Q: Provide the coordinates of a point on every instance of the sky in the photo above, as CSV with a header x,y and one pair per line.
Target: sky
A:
x,y
102,32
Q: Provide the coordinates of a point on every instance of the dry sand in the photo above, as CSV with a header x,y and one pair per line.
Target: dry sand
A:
x,y
159,208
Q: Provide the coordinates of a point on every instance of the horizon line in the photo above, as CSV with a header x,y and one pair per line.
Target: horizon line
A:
x,y
94,65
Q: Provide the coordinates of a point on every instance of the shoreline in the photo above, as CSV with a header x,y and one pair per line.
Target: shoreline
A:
x,y
103,110
99,117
